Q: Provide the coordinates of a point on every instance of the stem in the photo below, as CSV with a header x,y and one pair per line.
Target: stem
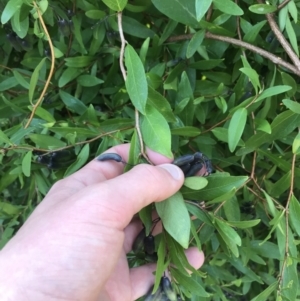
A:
x,y
280,37
273,58
121,62
51,68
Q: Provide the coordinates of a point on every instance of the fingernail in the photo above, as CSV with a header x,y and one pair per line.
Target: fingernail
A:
x,y
173,170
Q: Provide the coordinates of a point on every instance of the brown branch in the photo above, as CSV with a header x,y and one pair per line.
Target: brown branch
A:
x,y
283,4
34,108
282,40
124,73
64,147
273,58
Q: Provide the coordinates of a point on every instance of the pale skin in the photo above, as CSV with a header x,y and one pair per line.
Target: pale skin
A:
x,y
74,245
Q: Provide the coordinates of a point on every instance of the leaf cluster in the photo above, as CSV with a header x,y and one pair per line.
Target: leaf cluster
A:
x,y
177,76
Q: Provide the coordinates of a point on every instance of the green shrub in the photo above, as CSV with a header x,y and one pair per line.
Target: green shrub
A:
x,y
220,77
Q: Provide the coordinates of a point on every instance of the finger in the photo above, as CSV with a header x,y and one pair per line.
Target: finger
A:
x,y
142,278
95,171
127,194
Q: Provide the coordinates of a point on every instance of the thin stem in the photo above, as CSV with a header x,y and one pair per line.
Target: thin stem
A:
x,y
34,108
121,62
282,40
273,58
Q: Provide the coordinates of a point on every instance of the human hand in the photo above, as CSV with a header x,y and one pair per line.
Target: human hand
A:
x,y
74,245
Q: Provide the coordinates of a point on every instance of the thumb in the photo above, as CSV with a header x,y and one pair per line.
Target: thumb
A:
x,y
125,195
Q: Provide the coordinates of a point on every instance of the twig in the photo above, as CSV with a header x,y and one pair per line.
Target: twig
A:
x,y
64,147
121,62
123,43
34,108
273,58
280,37
239,30
282,5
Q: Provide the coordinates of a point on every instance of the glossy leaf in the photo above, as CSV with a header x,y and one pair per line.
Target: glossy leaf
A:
x,y
26,164
195,183
198,37
236,127
273,91
72,102
136,83
156,132
80,161
10,9
182,11
202,7
262,8
228,7
117,5
294,211
34,79
217,186
175,218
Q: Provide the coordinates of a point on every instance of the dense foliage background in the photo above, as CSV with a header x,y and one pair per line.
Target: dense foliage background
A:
x,y
220,77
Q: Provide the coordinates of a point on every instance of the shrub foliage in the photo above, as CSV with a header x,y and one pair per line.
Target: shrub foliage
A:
x,y
177,76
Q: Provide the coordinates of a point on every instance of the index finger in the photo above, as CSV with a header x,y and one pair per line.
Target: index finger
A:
x,y
96,172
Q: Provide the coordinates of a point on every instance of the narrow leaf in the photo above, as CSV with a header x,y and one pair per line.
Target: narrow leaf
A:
x,y
26,164
236,128
136,82
175,218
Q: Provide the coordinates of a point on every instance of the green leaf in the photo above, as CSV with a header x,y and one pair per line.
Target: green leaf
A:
x,y
73,103
292,105
26,164
202,7
296,144
4,138
292,35
10,9
244,224
218,185
79,61
21,80
87,80
236,128
160,103
44,114
80,161
34,78
95,14
196,40
175,218
195,183
180,11
230,236
188,131
228,7
190,284
117,5
9,209
273,91
294,213
156,132
136,82
253,76
46,141
67,76
252,34
262,8
206,64
8,83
